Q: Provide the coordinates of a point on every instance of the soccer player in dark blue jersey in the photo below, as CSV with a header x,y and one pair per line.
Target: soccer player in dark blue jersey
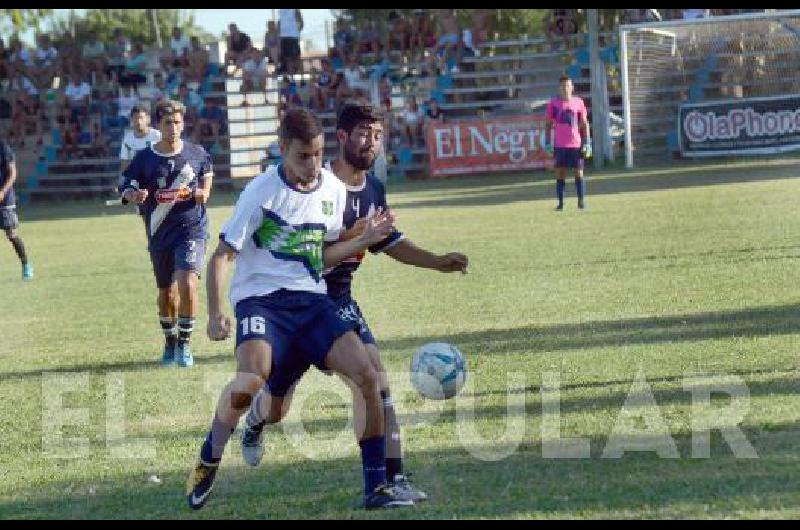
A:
x,y
360,134
171,181
8,206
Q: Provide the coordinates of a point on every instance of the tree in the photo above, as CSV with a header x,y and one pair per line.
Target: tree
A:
x,y
19,20
136,24
508,22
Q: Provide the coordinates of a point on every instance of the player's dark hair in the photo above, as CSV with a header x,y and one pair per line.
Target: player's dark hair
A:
x,y
168,107
299,124
138,107
564,78
355,112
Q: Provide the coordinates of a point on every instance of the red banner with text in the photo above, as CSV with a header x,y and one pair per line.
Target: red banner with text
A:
x,y
478,146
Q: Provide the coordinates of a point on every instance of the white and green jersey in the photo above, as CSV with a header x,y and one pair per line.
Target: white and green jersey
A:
x,y
279,232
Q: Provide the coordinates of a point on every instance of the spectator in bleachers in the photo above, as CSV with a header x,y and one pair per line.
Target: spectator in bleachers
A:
x,y
125,103
449,42
193,103
385,92
290,24
482,26
93,54
238,45
198,61
96,142
179,46
69,127
117,55
254,71
355,79
343,39
433,115
413,121
45,66
399,33
78,95
368,38
272,43
20,59
27,112
69,55
423,34
561,23
135,67
210,125
159,90
287,96
325,87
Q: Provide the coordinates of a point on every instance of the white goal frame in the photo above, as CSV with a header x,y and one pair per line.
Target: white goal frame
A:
x,y
661,28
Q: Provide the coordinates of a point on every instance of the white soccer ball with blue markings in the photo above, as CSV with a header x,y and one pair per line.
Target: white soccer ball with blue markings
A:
x,y
438,370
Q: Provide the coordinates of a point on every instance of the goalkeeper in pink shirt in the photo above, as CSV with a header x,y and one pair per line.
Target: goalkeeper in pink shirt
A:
x,y
570,142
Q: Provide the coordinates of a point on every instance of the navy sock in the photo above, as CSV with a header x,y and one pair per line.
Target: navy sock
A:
x,y
394,453
185,327
215,442
579,188
560,185
170,331
19,248
373,459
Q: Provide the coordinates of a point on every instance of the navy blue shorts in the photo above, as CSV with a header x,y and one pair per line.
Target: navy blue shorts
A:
x,y
8,218
568,157
185,256
300,327
349,310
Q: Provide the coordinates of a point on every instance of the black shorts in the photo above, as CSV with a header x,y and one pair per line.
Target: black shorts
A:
x,y
8,217
290,48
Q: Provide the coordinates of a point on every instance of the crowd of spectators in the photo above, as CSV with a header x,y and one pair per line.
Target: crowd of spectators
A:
x,y
82,95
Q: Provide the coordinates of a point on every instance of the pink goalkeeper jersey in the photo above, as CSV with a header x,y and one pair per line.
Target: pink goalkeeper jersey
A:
x,y
566,116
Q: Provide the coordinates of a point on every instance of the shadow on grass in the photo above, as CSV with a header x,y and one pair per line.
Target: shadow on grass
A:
x,y
460,484
549,338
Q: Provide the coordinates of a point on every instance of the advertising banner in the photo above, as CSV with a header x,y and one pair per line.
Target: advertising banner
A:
x,y
506,143
765,125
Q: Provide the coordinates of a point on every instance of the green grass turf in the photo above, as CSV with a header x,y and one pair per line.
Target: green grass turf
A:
x,y
671,272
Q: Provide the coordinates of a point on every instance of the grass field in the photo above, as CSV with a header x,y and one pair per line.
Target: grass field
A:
x,y
670,273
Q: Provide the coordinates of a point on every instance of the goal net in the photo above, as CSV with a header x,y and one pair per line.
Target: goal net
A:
x,y
667,65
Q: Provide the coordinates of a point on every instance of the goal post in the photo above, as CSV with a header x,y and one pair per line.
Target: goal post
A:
x,y
671,64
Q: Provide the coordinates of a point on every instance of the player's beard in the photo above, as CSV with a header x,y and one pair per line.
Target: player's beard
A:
x,y
359,161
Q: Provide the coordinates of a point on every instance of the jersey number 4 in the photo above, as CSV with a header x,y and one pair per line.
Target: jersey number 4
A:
x,y
254,325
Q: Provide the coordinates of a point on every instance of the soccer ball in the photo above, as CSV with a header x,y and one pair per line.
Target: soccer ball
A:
x,y
438,370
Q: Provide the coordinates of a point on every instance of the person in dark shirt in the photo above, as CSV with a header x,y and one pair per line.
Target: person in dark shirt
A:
x,y
171,180
238,45
8,206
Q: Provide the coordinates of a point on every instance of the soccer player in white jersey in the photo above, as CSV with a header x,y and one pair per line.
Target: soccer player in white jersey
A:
x,y
283,316
359,130
139,136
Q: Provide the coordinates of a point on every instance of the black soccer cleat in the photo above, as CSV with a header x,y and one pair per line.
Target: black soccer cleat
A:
x,y
199,484
385,496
